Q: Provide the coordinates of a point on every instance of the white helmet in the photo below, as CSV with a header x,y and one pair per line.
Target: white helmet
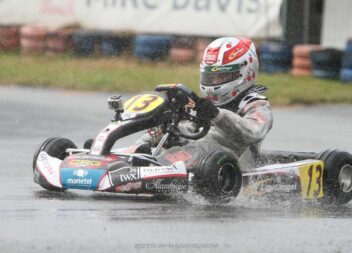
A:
x,y
229,67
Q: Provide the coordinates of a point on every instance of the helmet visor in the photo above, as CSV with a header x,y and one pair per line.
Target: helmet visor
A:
x,y
213,76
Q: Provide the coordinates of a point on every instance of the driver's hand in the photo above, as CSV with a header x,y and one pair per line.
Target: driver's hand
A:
x,y
191,104
206,110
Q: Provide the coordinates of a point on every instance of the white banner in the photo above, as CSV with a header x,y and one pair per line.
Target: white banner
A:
x,y
251,18
337,23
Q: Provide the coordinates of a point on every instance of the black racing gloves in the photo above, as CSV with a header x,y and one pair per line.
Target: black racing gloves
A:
x,y
206,110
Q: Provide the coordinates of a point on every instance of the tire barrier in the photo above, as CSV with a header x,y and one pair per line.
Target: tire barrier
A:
x,y
347,60
301,62
275,57
152,47
182,50
33,39
349,47
346,75
84,43
181,55
59,41
114,44
326,64
346,71
9,38
301,72
201,45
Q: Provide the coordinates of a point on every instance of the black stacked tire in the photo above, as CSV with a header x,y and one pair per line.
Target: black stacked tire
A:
x,y
326,64
152,47
85,43
337,177
275,57
114,44
55,147
346,71
218,177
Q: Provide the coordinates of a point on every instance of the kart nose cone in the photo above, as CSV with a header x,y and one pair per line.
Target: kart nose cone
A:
x,y
345,178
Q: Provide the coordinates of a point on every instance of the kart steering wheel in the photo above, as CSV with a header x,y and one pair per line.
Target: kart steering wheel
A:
x,y
179,95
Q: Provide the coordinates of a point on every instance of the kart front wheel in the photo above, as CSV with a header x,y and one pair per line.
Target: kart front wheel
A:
x,y
55,147
337,177
218,177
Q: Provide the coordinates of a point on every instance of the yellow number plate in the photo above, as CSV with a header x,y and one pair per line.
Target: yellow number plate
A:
x,y
311,177
143,103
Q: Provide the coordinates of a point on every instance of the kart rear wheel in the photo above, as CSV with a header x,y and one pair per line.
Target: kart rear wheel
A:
x,y
218,178
337,177
55,147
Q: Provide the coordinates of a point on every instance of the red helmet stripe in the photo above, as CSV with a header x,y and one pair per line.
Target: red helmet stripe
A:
x,y
236,52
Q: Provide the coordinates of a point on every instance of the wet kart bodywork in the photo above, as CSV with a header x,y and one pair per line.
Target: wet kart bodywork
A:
x,y
213,173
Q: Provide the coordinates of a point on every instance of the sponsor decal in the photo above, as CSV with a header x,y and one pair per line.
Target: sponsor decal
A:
x,y
125,174
44,161
62,7
132,175
158,169
176,170
42,156
178,156
221,69
166,185
80,173
212,56
88,162
81,178
48,167
129,187
84,163
258,186
278,188
81,181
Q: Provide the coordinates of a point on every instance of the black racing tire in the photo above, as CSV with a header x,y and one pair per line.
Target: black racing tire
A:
x,y
218,178
337,177
88,144
55,147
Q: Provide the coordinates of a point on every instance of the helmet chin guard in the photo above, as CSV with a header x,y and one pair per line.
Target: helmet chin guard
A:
x,y
229,67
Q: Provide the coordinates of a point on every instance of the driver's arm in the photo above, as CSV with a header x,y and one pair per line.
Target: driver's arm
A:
x,y
151,140
252,122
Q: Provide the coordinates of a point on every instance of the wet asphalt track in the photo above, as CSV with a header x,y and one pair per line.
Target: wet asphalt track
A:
x,y
34,220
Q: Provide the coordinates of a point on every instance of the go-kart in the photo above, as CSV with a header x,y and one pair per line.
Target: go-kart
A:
x,y
212,172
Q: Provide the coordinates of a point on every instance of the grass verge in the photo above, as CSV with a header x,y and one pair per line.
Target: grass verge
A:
x,y
128,75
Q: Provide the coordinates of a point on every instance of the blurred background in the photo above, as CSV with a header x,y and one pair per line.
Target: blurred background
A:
x,y
131,45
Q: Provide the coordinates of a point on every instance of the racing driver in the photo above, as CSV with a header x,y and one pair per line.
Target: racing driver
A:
x,y
231,100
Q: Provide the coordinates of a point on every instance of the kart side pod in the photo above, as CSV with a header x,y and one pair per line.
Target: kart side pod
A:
x,y
100,173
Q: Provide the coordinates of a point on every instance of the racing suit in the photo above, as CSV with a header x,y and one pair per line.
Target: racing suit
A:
x,y
240,126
